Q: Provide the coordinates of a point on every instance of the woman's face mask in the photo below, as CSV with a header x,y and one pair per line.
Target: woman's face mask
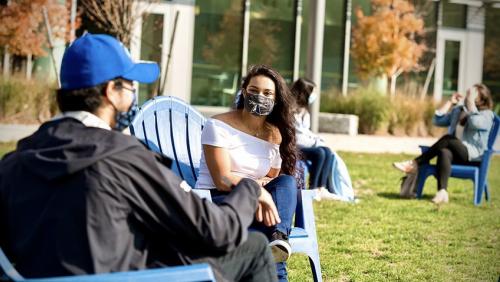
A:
x,y
258,104
312,98
124,119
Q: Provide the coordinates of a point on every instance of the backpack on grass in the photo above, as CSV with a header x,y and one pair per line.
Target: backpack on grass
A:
x,y
409,185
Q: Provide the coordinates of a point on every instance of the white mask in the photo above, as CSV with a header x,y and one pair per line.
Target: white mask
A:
x,y
312,98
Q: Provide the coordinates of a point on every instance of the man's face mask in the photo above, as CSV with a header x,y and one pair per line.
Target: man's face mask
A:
x,y
124,119
259,104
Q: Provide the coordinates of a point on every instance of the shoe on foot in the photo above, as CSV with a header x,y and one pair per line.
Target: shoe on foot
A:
x,y
280,247
324,194
441,197
406,166
317,194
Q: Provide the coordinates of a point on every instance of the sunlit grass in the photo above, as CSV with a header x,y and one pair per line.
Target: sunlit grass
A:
x,y
386,238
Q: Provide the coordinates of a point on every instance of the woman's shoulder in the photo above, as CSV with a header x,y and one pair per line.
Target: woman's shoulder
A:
x,y
229,118
487,112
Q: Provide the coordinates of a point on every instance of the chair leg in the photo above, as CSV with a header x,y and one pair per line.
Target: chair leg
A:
x,y
478,190
315,267
486,192
422,176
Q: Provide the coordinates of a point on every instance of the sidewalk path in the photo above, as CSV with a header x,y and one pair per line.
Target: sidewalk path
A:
x,y
14,132
376,144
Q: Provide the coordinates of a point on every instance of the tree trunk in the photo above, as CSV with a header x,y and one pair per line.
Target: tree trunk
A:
x,y
6,62
394,78
393,85
379,84
29,66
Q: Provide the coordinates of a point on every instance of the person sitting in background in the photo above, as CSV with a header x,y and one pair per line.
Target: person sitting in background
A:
x,y
257,141
324,162
77,197
469,123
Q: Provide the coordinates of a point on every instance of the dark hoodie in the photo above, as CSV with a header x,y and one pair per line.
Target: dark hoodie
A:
x,y
77,199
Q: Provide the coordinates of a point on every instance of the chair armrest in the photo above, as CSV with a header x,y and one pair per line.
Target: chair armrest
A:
x,y
424,148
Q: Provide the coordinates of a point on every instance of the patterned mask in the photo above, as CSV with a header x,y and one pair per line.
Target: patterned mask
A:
x,y
258,104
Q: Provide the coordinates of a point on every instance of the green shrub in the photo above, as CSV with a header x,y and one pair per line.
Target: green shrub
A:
x,y
371,108
402,114
26,101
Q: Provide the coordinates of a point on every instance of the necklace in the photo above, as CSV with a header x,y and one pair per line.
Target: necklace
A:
x,y
259,132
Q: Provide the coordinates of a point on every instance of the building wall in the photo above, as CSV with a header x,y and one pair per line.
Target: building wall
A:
x,y
151,40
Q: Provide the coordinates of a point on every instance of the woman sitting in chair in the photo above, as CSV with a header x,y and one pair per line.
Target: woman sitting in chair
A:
x,y
257,141
470,121
311,145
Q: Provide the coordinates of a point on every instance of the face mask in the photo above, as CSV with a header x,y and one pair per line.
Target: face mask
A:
x,y
258,104
312,98
124,119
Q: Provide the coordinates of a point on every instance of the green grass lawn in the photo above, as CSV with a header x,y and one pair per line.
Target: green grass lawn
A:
x,y
6,147
386,238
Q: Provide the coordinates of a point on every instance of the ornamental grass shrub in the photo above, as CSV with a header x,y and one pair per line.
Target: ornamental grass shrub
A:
x,y
404,114
26,101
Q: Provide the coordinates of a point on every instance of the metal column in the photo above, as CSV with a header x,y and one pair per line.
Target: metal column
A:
x,y
315,54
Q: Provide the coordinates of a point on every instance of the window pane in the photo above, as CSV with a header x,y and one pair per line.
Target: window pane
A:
x,y
366,7
454,15
217,51
151,48
272,33
304,33
333,45
451,67
491,72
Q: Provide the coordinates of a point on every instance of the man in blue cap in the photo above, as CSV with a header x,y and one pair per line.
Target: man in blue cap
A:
x,y
77,197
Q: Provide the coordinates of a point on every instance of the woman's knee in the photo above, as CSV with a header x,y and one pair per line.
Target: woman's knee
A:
x,y
286,180
445,153
326,150
283,182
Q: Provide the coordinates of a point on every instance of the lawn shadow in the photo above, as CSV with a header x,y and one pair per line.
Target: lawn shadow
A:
x,y
393,195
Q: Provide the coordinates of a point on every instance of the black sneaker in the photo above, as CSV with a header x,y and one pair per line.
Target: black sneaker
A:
x,y
280,247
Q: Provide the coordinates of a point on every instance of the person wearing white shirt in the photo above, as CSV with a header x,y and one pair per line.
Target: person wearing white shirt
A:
x,y
256,141
311,145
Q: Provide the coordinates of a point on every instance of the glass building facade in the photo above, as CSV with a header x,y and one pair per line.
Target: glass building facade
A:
x,y
273,40
278,35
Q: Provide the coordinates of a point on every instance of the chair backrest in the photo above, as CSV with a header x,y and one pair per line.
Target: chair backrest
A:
x,y
494,132
173,128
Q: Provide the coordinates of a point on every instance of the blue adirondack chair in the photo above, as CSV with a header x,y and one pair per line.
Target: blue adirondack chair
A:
x,y
189,273
478,174
168,125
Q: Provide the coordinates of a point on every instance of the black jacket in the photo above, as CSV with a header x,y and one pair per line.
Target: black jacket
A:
x,y
77,199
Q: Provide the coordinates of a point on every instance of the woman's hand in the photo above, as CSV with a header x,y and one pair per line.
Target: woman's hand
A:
x,y
266,210
456,98
264,180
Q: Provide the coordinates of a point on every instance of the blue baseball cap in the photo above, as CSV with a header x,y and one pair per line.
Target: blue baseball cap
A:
x,y
96,58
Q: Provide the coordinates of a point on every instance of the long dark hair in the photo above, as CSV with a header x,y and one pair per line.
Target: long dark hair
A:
x,y
281,116
301,90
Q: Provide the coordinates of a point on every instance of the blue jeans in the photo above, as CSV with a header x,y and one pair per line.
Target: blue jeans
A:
x,y
320,172
283,189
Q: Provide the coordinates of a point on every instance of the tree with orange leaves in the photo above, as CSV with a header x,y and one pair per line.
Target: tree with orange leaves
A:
x,y
22,28
385,43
